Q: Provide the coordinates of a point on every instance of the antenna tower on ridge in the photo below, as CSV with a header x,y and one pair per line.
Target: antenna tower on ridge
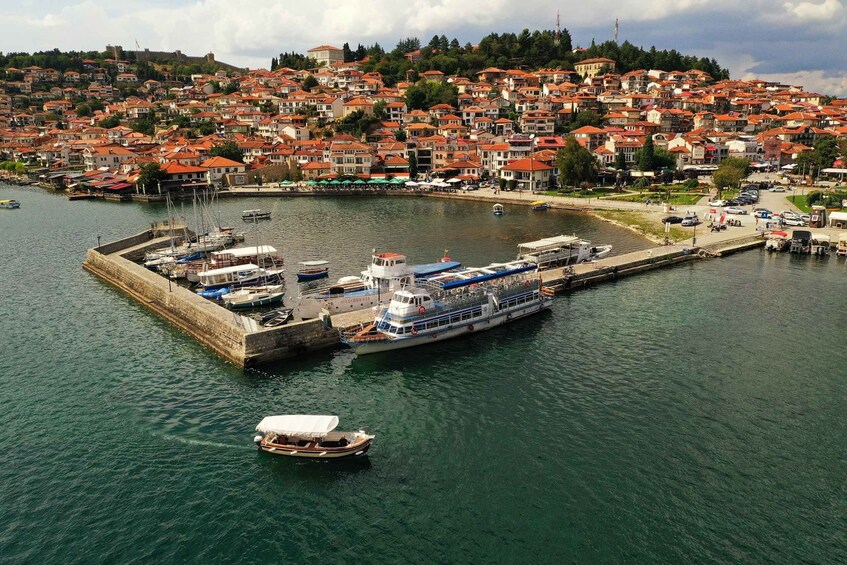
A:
x,y
558,29
616,31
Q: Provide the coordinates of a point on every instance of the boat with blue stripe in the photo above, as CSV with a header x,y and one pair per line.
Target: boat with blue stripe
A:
x,y
451,305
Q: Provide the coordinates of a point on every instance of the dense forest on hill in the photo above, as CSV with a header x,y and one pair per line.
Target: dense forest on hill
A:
x,y
526,50
157,69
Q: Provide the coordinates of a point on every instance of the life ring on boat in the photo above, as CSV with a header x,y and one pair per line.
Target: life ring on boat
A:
x,y
527,283
434,336
470,328
422,310
414,330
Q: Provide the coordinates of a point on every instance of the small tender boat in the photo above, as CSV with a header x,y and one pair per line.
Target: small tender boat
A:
x,y
309,436
540,205
238,276
10,204
312,270
250,215
277,317
252,297
498,209
777,241
841,248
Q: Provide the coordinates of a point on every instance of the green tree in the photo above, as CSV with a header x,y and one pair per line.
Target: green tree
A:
x,y
576,164
151,175
413,165
645,157
228,150
822,155
146,126
620,161
207,128
730,173
112,121
309,83
664,159
83,110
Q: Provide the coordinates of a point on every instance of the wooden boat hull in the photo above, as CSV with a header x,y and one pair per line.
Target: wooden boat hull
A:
x,y
312,276
310,452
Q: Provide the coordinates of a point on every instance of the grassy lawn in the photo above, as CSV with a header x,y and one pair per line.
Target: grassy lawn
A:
x,y
591,193
681,198
800,201
645,225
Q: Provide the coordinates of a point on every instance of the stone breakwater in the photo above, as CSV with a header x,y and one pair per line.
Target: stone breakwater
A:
x,y
237,338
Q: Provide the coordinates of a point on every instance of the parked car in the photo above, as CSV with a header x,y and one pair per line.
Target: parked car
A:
x,y
718,202
806,218
789,215
689,221
763,213
752,196
672,220
735,210
470,187
777,188
793,222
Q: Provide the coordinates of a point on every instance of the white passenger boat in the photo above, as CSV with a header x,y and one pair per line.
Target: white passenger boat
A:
x,y
310,436
238,276
261,255
386,273
561,251
452,305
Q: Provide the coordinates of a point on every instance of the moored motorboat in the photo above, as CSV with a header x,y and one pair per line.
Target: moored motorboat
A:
x,y
309,436
254,296
312,270
561,251
540,205
277,317
10,204
498,209
238,276
452,305
250,215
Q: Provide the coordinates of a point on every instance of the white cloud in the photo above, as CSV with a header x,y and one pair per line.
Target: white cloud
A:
x,y
826,11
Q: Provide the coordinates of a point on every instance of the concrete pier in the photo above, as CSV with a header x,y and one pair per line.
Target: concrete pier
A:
x,y
243,342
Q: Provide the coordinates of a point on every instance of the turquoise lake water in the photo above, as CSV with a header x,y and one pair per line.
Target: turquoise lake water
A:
x,y
692,414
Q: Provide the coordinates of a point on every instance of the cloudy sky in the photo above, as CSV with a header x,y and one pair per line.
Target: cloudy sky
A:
x,y
795,41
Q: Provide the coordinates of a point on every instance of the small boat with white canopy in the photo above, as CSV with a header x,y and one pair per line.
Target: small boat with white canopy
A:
x,y
309,436
312,270
561,251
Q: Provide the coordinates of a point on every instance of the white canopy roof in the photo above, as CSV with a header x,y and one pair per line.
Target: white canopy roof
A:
x,y
548,242
298,425
319,263
228,270
247,251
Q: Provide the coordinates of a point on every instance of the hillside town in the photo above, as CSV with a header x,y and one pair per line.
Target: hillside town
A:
x,y
96,130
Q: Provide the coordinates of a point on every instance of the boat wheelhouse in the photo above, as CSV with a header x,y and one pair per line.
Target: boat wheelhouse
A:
x,y
312,270
238,276
310,436
387,272
561,251
451,305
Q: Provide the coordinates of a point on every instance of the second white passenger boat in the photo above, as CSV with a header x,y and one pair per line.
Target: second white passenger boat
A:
x,y
452,305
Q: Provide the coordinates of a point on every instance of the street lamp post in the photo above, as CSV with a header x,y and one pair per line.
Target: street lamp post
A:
x,y
694,237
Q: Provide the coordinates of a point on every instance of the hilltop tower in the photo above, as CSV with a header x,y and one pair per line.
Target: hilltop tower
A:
x,y
558,30
616,31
